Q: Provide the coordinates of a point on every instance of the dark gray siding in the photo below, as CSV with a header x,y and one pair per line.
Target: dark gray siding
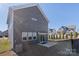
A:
x,y
23,22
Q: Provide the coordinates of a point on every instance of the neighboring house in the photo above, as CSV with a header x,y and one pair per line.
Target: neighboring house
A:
x,y
1,35
62,29
67,29
71,28
26,23
5,33
53,31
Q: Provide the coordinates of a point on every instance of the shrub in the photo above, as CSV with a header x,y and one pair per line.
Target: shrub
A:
x,y
53,36
75,34
49,37
56,36
59,36
66,36
71,35
62,36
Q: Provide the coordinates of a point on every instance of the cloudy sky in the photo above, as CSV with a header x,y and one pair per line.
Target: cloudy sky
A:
x,y
57,14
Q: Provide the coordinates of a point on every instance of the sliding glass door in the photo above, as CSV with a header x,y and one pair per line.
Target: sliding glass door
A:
x,y
42,37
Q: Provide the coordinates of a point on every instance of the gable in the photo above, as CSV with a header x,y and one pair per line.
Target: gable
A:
x,y
14,8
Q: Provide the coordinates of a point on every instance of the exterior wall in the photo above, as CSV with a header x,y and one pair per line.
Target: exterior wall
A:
x,y
24,17
23,23
59,49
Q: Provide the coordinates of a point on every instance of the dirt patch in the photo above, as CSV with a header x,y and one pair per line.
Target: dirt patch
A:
x,y
8,53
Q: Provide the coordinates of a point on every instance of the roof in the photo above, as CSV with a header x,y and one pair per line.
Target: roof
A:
x,y
11,9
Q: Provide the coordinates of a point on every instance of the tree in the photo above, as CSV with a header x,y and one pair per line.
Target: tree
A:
x,y
53,36
56,36
71,35
49,37
59,36
66,36
62,35
75,34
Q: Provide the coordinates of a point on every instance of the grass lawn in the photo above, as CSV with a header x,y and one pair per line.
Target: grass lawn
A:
x,y
4,44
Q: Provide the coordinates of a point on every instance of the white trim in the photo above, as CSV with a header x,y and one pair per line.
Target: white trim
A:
x,y
25,34
12,29
42,33
9,16
24,6
42,12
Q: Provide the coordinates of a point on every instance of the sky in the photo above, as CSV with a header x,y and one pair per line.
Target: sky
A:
x,y
58,14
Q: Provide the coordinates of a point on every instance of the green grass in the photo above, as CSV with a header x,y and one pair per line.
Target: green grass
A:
x,y
4,44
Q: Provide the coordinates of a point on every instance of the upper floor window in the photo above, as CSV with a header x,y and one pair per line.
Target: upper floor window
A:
x,y
34,19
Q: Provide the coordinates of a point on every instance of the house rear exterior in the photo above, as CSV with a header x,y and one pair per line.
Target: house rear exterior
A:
x,y
27,24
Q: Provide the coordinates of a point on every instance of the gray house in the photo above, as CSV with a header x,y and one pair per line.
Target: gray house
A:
x,y
5,33
27,25
1,35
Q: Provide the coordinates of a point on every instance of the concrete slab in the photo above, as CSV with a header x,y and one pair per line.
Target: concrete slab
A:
x,y
49,44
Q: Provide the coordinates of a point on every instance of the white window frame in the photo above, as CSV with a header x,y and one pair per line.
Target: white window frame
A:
x,y
34,34
30,35
24,34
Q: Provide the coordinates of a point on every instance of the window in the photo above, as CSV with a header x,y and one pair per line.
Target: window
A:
x,y
30,38
34,34
29,35
49,36
34,37
24,38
